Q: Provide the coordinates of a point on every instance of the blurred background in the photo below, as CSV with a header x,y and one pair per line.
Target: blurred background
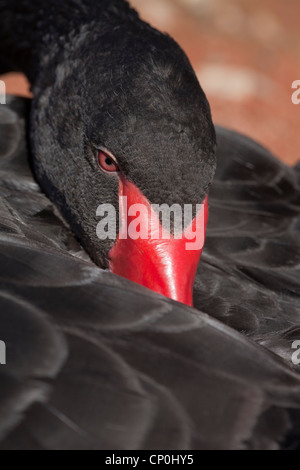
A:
x,y
246,55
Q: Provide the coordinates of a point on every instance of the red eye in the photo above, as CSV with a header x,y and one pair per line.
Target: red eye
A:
x,y
107,163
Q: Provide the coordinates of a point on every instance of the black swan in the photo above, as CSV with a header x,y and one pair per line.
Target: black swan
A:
x,y
94,360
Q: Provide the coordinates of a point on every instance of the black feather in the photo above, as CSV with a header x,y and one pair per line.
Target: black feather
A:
x,y
95,361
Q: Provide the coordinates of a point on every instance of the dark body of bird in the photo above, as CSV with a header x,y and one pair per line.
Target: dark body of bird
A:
x,y
95,361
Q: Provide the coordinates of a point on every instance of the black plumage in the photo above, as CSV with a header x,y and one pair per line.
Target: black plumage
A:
x,y
93,360
111,81
252,251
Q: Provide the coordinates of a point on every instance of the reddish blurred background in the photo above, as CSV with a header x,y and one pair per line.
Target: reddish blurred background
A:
x,y
246,55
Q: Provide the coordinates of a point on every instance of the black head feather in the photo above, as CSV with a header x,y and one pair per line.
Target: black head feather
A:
x,y
106,79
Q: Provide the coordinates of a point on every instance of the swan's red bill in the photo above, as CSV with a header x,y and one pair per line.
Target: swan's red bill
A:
x,y
166,266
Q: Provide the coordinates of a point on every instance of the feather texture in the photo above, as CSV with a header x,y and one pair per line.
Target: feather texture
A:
x,y
97,362
249,276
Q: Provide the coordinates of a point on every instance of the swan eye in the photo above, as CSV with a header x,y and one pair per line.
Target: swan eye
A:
x,y
107,163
